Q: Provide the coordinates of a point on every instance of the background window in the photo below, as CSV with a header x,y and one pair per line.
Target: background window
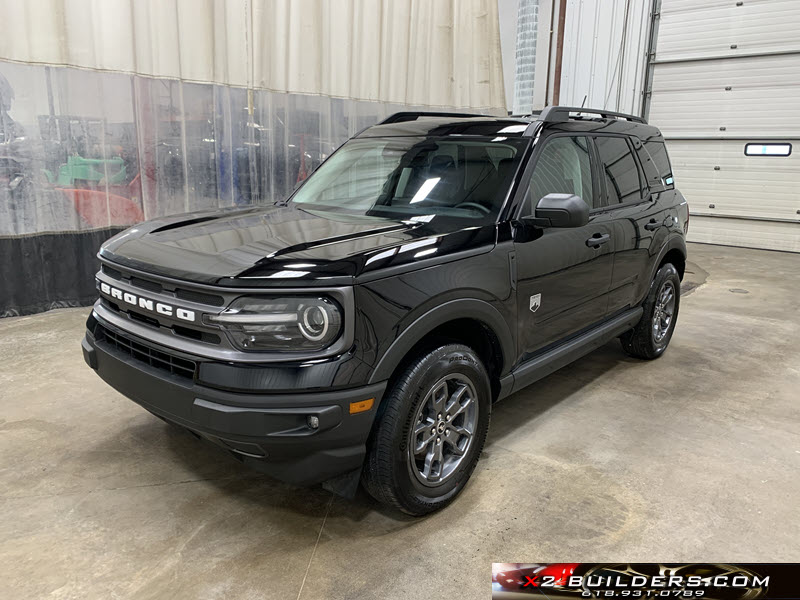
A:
x,y
563,167
767,149
620,171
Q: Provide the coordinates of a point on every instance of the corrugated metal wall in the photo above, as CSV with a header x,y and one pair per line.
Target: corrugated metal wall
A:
x,y
604,54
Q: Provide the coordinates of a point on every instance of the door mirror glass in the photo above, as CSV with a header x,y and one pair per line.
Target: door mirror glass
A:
x,y
561,210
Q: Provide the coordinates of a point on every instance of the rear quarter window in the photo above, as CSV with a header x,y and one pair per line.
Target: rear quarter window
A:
x,y
619,170
655,162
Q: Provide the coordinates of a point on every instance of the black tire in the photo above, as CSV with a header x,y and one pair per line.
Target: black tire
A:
x,y
645,340
389,473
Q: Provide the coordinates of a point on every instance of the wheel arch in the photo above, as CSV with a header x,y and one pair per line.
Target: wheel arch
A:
x,y
674,251
475,323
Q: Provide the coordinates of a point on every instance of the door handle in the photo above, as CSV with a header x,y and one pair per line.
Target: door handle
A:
x,y
598,240
652,225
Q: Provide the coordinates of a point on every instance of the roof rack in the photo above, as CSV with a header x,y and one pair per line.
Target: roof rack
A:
x,y
401,117
560,114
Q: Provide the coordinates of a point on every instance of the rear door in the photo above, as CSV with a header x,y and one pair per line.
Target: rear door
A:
x,y
563,278
635,217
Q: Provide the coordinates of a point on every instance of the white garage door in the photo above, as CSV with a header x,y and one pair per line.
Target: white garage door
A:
x,y
726,74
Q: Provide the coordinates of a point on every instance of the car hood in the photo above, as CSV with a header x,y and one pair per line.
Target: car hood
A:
x,y
288,246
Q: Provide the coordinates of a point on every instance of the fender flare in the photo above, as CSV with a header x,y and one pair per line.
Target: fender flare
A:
x,y
675,242
464,308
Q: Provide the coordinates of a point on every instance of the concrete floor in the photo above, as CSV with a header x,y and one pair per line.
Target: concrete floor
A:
x,y
695,456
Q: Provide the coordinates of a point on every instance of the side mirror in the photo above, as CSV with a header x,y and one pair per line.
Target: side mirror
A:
x,y
561,210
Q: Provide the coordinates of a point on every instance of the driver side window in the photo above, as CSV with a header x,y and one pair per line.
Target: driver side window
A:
x,y
563,167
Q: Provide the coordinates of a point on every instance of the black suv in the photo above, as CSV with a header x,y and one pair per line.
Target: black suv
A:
x,y
434,264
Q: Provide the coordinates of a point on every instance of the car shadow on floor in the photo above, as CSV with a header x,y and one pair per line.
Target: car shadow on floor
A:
x,y
525,406
231,476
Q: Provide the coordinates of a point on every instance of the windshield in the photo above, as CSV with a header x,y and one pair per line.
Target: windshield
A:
x,y
416,178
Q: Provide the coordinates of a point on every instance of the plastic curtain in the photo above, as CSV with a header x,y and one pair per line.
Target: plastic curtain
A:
x,y
84,149
84,154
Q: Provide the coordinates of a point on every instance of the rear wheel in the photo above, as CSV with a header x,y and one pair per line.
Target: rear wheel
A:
x,y
432,430
651,336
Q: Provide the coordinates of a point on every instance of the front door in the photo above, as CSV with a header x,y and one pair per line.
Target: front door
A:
x,y
563,274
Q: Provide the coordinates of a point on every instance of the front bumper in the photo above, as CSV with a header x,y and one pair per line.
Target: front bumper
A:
x,y
268,431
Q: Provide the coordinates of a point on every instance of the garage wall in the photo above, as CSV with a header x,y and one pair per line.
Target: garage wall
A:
x,y
117,111
420,52
725,73
604,60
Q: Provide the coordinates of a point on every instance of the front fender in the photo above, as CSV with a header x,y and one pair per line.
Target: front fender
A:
x,y
465,308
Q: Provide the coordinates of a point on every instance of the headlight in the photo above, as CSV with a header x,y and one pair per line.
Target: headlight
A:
x,y
288,324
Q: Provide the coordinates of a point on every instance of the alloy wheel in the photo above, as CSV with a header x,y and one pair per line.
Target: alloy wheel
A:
x,y
443,429
663,311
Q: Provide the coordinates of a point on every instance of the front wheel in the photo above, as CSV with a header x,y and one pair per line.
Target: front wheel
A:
x,y
651,336
429,438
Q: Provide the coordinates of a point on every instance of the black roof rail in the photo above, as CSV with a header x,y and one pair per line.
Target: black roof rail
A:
x,y
401,117
560,114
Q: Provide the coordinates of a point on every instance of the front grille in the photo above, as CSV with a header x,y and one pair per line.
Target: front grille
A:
x,y
167,291
150,286
199,297
150,356
111,272
158,288
187,332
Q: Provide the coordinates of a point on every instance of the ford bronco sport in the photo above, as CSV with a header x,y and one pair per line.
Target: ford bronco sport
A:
x,y
361,329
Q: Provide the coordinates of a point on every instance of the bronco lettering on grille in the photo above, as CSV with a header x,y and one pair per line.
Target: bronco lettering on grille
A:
x,y
146,303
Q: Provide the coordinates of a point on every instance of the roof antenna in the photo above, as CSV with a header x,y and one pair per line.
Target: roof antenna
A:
x,y
584,102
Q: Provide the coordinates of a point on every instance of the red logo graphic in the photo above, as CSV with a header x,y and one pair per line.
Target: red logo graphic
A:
x,y
531,581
